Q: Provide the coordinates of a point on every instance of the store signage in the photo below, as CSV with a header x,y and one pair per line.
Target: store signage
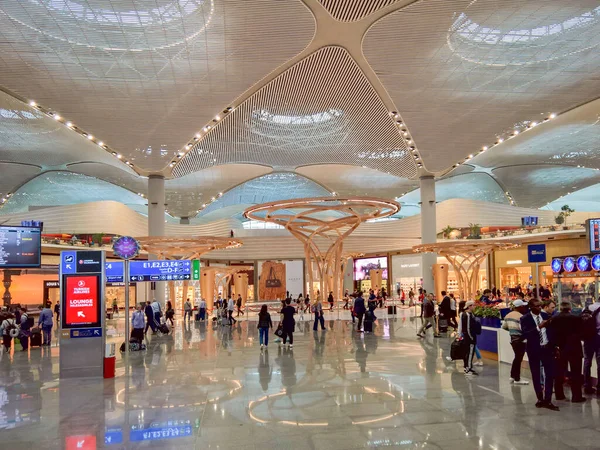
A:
x,y
51,284
556,265
536,253
160,270
596,262
86,333
126,247
583,263
88,261
81,295
569,264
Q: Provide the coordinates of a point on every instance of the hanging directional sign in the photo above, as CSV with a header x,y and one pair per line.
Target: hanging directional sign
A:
x,y
160,270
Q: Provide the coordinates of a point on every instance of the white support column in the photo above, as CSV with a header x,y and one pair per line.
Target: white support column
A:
x,y
156,223
428,229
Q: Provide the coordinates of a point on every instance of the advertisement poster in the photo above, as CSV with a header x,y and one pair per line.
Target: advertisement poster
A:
x,y
271,284
363,267
81,300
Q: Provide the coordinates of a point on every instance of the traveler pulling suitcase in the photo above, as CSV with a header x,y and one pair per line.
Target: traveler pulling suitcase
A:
x,y
36,337
164,328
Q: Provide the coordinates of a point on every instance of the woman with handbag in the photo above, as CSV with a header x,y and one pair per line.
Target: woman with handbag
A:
x,y
170,313
288,323
264,323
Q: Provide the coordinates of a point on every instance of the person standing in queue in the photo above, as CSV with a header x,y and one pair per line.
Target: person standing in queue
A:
x,y
46,322
359,311
288,323
202,309
137,324
540,352
566,331
512,324
26,325
317,309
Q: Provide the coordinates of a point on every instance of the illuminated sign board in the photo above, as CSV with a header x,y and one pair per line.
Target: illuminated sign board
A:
x,y
593,232
160,270
20,247
81,300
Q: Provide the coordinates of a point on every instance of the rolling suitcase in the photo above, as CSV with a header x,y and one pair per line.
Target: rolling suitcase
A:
x,y
164,328
457,349
392,309
36,338
368,323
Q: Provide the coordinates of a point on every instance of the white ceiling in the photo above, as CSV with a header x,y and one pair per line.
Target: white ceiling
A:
x,y
313,86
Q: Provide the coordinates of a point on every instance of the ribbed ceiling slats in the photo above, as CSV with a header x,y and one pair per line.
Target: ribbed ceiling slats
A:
x,y
322,110
353,10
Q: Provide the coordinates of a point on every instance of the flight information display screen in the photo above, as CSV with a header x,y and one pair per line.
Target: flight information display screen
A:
x,y
20,247
594,235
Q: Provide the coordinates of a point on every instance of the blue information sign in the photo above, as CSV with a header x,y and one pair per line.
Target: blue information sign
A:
x,y
113,436
583,263
86,333
152,434
556,265
536,253
162,270
569,264
115,272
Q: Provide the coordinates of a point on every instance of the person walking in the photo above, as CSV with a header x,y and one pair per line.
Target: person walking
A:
x,y
238,303
230,309
452,318
512,324
9,330
470,328
170,313
46,322
264,323
202,309
137,324
428,310
359,311
591,345
115,306
26,324
540,353
156,313
149,318
187,310
317,309
57,311
566,333
445,312
307,303
330,300
288,323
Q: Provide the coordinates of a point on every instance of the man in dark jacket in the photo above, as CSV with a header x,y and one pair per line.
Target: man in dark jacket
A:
x,y
540,352
470,328
359,310
566,336
445,312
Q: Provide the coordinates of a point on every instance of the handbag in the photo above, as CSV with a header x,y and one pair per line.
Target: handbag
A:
x,y
279,331
271,281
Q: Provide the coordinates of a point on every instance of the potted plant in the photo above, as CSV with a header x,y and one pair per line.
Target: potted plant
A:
x,y
490,317
446,232
474,231
566,212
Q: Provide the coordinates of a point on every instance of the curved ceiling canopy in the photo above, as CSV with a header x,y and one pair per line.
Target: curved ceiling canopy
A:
x,y
458,77
584,200
269,188
353,10
473,186
145,75
66,188
322,110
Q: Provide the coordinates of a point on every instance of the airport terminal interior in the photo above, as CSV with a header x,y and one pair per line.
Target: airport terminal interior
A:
x,y
300,224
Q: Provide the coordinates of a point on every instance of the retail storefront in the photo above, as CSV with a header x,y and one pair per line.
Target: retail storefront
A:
x,y
576,278
512,268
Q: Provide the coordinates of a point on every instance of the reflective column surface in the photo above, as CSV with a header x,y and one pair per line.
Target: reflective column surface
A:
x,y
211,387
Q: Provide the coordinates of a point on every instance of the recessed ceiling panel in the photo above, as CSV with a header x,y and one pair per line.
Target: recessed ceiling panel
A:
x,y
132,182
269,188
584,200
323,110
13,175
353,10
535,186
472,186
66,188
186,195
463,71
353,180
145,75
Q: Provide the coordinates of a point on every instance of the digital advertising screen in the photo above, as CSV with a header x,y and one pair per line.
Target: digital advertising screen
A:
x,y
593,232
81,304
20,247
363,267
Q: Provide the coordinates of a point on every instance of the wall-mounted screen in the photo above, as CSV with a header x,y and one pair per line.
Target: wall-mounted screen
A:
x,y
593,232
363,267
20,247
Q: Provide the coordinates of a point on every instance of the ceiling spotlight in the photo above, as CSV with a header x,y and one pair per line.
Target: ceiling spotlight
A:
x,y
399,122
57,117
101,144
229,109
334,193
203,205
470,156
515,132
119,156
533,124
172,164
208,127
552,116
217,117
32,103
220,194
393,113
213,199
180,154
128,163
198,135
69,124
187,147
90,137
484,148
500,141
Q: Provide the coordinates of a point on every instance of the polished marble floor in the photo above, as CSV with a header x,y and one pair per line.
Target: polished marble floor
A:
x,y
212,388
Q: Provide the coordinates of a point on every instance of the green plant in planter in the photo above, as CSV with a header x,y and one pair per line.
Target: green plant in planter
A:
x,y
474,231
486,312
560,219
566,212
446,232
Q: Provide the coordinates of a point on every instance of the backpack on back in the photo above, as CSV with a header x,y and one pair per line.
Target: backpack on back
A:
x,y
11,328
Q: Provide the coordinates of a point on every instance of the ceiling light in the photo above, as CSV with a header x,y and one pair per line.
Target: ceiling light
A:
x,y
119,156
213,199
484,148
32,103
515,132
90,137
69,124
203,205
100,143
172,164
533,124
220,194
208,127
470,156
552,116
229,108
180,154
57,117
128,163
217,117
198,135
187,147
500,140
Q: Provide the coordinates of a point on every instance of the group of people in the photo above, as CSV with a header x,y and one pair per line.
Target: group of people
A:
x,y
18,323
553,342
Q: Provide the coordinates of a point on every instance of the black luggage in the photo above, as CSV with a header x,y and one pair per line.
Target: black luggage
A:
x,y
164,328
368,326
457,349
36,338
392,309
443,325
197,317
